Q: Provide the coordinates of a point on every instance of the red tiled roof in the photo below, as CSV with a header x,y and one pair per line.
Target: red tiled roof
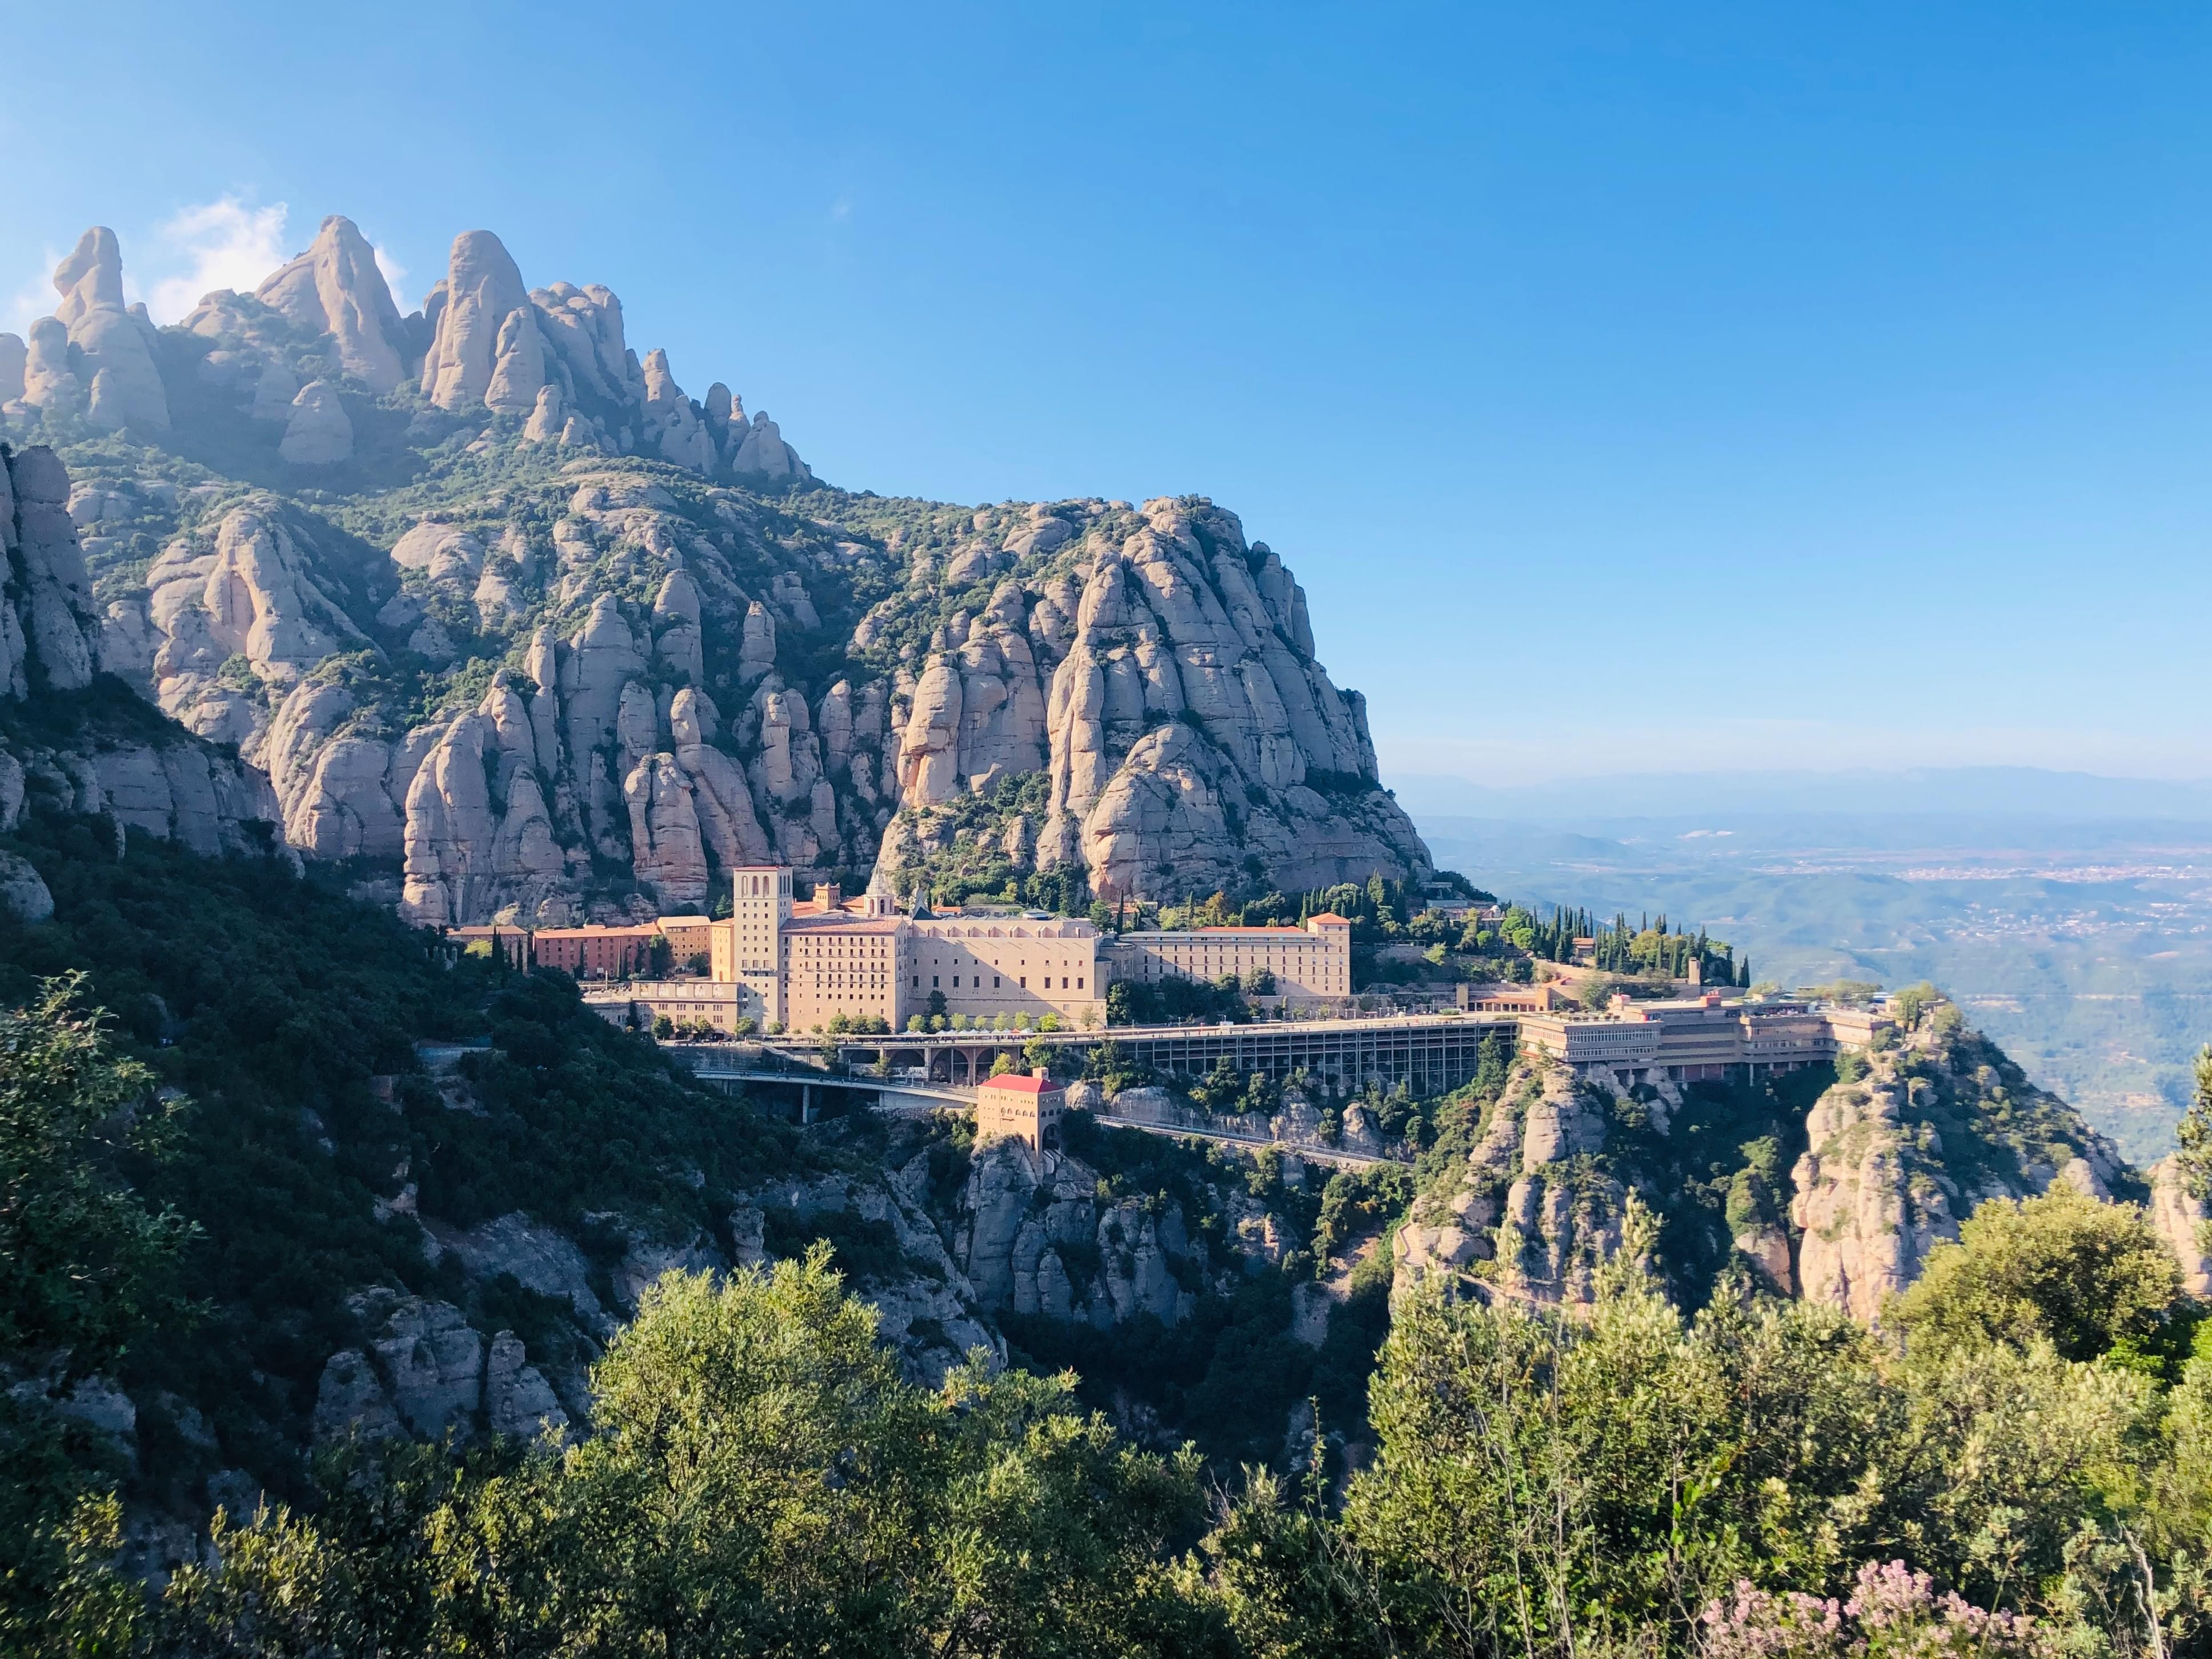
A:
x,y
1331,917
1021,1083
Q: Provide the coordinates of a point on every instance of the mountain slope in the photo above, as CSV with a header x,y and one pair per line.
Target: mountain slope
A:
x,y
476,590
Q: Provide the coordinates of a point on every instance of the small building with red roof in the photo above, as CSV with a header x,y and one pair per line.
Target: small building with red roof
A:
x,y
1017,1107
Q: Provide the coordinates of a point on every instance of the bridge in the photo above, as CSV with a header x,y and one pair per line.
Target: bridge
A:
x,y
912,1072
903,1096
1431,1054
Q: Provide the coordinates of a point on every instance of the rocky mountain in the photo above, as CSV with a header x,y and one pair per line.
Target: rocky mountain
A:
x,y
1836,1196
63,742
479,595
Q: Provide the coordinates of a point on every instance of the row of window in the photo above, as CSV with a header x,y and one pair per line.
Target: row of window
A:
x,y
934,980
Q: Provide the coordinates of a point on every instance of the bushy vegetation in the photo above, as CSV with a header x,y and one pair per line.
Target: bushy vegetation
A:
x,y
278,1019
1761,1478
1174,999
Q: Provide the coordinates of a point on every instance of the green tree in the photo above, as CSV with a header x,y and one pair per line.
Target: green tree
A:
x,y
760,1481
85,1264
2194,1133
1288,1580
2089,1278
1547,1480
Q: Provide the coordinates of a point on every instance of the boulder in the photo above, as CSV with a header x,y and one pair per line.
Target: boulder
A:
x,y
319,432
443,552
23,891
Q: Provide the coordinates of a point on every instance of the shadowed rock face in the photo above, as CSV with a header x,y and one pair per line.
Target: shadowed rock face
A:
x,y
51,641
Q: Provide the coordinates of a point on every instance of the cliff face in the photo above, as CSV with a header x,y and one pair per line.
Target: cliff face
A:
x,y
1532,1210
1160,671
1896,1158
1037,1236
1836,1197
479,590
60,744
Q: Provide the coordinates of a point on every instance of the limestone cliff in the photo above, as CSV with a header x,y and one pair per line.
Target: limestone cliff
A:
x,y
1530,1212
2182,1217
480,591
1159,670
1836,1196
60,745
1898,1153
94,357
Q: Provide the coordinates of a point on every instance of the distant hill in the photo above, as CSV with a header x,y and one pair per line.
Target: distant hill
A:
x,y
1963,791
2075,924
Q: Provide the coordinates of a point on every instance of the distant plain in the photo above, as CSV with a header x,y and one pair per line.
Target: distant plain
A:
x,y
2071,914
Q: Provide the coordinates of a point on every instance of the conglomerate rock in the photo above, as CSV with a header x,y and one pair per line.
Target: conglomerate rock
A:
x,y
704,676
336,288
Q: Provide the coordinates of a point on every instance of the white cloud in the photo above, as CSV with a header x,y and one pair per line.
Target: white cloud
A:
x,y
33,300
394,274
225,243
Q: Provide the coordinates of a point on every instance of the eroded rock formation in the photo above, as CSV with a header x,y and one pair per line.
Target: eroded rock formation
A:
x,y
1524,1217
1897,1156
336,289
51,641
689,676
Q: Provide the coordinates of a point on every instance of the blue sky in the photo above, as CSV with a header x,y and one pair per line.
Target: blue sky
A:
x,y
1632,387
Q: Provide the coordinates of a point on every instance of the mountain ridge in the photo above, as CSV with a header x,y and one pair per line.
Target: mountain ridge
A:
x,y
479,590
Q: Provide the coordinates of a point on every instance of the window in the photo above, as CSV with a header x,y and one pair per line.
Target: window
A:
x,y
933,980
994,981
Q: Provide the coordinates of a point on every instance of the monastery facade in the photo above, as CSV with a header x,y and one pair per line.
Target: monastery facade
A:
x,y
797,964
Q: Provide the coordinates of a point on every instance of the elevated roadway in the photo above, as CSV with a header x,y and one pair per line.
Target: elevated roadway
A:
x,y
716,1064
1430,1054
